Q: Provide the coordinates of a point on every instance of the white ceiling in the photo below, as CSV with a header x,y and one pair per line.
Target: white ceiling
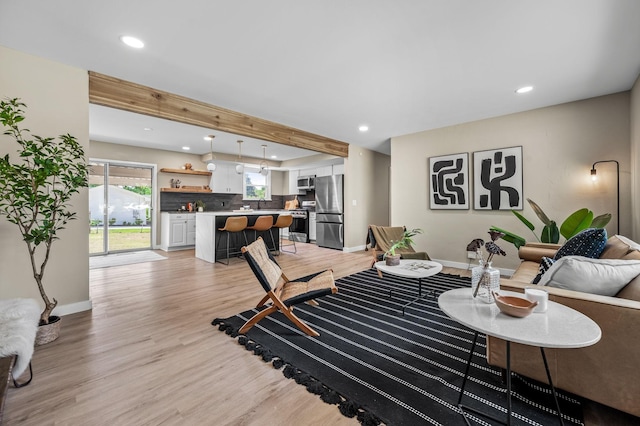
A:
x,y
327,66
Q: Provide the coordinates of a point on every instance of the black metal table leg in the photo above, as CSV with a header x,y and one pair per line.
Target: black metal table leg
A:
x,y
553,389
464,408
420,297
509,407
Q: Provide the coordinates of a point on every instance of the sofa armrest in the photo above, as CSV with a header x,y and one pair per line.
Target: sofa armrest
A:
x,y
606,372
535,251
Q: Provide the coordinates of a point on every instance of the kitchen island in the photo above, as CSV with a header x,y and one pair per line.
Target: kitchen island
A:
x,y
207,234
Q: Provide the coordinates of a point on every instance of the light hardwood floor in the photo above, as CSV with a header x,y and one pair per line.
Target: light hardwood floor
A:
x,y
147,355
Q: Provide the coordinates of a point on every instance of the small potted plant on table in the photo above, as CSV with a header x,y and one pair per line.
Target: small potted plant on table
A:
x,y
406,240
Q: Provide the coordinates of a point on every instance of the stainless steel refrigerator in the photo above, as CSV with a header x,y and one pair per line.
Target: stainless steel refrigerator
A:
x,y
330,211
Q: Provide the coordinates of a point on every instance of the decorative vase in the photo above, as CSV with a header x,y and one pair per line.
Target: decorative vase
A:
x,y
48,332
484,281
392,260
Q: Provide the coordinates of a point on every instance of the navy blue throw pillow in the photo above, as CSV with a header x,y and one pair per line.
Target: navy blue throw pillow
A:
x,y
545,264
587,243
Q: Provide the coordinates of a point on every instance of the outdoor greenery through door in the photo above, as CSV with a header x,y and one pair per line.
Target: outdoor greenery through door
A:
x,y
120,207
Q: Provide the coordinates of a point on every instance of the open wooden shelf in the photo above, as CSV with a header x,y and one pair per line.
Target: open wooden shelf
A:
x,y
201,190
186,172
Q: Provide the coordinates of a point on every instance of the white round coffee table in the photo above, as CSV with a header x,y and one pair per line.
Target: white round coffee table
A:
x,y
411,268
559,327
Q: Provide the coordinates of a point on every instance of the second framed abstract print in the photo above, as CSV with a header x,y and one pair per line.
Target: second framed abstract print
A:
x,y
497,179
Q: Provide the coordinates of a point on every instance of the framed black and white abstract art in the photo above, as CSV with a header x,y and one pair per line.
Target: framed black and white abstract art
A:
x,y
449,182
497,179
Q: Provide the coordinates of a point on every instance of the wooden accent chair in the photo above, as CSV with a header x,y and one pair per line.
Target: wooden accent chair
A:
x,y
284,294
380,239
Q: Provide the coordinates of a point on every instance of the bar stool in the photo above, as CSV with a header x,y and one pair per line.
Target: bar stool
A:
x,y
262,225
233,224
285,221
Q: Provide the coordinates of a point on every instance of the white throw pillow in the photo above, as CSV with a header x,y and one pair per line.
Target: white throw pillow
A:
x,y
596,276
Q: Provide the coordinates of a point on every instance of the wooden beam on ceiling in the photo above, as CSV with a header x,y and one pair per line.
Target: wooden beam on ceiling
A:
x,y
115,93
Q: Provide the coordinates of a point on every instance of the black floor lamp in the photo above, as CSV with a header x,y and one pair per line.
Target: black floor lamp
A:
x,y
594,177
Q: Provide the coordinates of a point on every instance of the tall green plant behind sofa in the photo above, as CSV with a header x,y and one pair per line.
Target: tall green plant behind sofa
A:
x,y
577,221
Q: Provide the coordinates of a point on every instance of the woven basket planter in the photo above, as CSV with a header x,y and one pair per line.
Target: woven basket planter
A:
x,y
48,332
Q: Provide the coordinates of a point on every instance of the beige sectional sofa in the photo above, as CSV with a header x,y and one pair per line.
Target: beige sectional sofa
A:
x,y
607,372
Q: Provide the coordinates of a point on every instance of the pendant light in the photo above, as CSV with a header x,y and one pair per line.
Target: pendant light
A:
x,y
239,166
211,166
264,169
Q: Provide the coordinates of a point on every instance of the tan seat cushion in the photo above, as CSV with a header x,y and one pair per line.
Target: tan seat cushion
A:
x,y
616,248
631,291
526,272
632,255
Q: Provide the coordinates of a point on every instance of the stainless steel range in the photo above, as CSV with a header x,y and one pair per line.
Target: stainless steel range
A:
x,y
299,229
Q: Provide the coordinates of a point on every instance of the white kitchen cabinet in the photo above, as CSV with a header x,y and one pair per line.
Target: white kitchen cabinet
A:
x,y
178,231
225,180
312,226
191,230
308,172
323,171
293,182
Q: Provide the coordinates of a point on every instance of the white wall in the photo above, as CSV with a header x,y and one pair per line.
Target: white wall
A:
x,y
560,143
366,182
57,101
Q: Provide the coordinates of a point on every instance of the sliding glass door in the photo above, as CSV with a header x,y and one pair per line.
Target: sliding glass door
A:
x,y
120,207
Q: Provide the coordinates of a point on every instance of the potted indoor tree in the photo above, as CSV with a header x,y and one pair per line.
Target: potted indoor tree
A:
x,y
35,195
406,240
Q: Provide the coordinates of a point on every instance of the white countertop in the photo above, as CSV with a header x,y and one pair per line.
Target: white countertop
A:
x,y
559,327
243,213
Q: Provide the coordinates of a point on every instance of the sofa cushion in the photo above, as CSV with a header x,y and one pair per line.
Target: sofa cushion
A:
x,y
526,271
632,255
587,243
615,248
597,276
631,291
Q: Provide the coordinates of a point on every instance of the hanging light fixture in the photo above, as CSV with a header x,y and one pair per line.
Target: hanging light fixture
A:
x,y
239,166
264,169
211,166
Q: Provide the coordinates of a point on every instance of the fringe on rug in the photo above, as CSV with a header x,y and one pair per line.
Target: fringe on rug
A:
x,y
348,408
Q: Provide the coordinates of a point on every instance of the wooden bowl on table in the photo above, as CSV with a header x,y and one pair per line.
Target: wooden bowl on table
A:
x,y
515,306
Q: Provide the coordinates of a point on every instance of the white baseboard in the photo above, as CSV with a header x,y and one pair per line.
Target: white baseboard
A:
x,y
460,265
353,249
73,308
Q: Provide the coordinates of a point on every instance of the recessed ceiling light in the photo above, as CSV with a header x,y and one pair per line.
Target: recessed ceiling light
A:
x,y
363,128
207,138
186,148
148,129
524,89
274,156
132,42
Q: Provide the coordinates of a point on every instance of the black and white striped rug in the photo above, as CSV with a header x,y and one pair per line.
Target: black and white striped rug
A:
x,y
385,368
